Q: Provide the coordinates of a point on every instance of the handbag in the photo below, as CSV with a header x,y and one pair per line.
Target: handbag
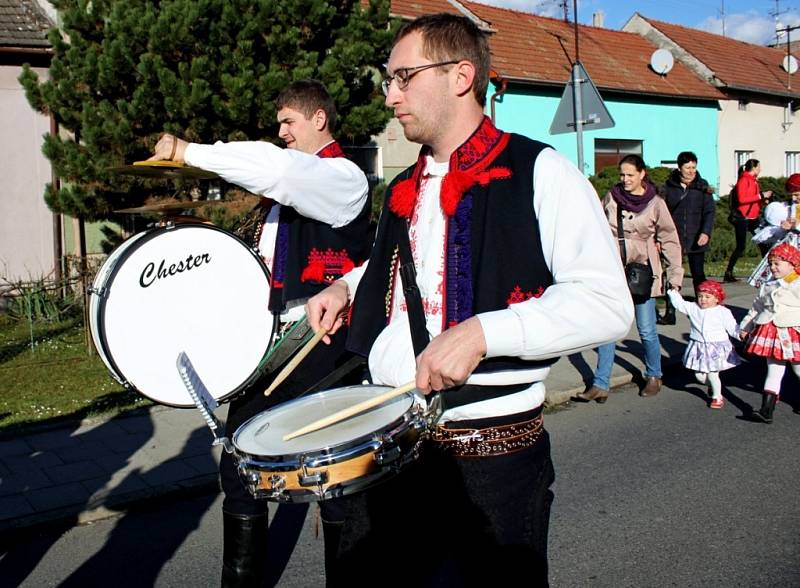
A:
x,y
638,275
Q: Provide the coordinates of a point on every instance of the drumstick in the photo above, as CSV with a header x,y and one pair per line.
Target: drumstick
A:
x,y
284,373
351,411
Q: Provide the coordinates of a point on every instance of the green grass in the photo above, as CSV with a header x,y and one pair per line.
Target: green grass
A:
x,y
716,269
57,379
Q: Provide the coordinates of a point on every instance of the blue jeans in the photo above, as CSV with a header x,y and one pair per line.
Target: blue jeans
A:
x,y
645,313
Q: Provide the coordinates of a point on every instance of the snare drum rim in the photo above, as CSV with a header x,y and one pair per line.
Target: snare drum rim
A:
x,y
130,246
296,459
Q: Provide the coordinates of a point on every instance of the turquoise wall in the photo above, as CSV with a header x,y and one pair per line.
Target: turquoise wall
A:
x,y
665,127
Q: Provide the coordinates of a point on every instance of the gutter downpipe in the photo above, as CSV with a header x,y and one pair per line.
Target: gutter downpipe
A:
x,y
496,78
58,235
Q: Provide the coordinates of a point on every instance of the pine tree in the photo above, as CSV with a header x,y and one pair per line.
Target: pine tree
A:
x,y
124,71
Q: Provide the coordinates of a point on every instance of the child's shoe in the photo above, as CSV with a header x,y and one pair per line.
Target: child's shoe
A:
x,y
717,403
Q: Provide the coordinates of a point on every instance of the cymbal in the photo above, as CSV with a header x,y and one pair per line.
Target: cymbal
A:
x,y
170,207
164,169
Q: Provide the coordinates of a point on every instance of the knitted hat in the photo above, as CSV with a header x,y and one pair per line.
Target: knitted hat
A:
x,y
786,252
793,183
712,287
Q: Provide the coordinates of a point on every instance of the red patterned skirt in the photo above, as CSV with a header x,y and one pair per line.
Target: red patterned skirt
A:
x,y
765,342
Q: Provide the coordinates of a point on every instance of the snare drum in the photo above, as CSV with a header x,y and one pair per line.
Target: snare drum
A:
x,y
186,287
335,461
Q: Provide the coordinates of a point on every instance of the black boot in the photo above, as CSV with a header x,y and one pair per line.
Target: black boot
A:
x,y
764,414
244,550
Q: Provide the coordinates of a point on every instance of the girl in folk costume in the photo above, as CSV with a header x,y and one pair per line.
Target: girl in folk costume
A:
x,y
709,350
773,325
780,226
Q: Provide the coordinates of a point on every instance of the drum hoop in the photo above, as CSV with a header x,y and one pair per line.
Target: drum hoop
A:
x,y
145,237
327,449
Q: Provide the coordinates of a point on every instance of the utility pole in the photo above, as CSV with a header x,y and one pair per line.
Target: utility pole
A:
x,y
787,112
788,30
564,4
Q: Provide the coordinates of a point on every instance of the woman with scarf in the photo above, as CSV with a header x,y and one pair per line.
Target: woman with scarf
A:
x,y
646,225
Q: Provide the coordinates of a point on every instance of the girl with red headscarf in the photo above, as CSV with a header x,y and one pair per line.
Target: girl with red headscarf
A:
x,y
772,327
709,350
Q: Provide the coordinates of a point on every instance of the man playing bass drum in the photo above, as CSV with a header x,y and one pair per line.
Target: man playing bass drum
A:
x,y
311,228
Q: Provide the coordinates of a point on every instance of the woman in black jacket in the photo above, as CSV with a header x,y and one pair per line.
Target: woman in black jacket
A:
x,y
689,199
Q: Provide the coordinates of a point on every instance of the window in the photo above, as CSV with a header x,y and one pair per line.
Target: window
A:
x,y
608,152
741,157
792,163
743,104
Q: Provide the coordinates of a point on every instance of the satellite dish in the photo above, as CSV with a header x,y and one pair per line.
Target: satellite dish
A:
x,y
661,61
789,64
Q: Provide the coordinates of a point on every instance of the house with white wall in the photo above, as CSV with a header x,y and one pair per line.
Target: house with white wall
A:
x,y
30,234
757,113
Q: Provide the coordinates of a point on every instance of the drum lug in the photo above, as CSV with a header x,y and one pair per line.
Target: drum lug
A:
x,y
277,483
388,455
315,479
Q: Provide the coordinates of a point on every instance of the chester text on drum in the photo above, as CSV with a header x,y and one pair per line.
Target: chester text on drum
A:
x,y
147,277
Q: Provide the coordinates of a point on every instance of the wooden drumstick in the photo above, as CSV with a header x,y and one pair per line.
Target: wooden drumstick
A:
x,y
284,373
351,411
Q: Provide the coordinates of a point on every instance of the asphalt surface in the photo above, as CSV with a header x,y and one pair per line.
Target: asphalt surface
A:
x,y
649,492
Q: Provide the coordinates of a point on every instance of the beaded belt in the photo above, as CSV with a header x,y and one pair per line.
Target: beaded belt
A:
x,y
490,440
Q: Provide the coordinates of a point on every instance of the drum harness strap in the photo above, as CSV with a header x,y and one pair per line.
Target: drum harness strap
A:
x,y
416,312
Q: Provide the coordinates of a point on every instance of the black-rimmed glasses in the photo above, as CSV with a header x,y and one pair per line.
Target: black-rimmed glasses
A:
x,y
403,75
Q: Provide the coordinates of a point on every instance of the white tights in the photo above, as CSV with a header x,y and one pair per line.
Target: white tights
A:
x,y
775,371
713,381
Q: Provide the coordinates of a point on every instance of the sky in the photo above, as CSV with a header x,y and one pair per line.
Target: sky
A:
x,y
747,20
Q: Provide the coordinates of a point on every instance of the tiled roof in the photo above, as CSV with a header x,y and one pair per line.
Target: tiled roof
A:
x,y
735,64
23,24
535,49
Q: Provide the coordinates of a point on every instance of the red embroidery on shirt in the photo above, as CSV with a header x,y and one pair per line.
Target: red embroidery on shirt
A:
x,y
517,295
326,266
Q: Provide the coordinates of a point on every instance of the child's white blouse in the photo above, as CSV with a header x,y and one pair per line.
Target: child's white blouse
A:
x,y
708,325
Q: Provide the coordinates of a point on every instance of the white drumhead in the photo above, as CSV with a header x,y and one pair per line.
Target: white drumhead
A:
x,y
191,288
263,434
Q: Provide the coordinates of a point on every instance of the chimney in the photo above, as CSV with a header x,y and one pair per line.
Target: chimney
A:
x,y
598,18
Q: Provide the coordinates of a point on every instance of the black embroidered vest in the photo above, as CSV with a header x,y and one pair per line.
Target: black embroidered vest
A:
x,y
310,254
494,253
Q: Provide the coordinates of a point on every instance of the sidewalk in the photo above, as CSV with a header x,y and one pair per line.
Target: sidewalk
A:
x,y
78,474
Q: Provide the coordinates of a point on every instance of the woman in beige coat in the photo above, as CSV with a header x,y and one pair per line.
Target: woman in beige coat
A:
x,y
649,234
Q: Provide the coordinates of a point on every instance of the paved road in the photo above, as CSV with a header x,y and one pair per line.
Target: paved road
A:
x,y
649,492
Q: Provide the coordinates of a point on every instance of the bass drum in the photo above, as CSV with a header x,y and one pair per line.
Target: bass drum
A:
x,y
188,287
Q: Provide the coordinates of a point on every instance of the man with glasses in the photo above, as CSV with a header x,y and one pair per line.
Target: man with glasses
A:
x,y
515,266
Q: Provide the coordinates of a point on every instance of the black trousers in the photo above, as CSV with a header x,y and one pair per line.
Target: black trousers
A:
x,y
452,521
740,229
